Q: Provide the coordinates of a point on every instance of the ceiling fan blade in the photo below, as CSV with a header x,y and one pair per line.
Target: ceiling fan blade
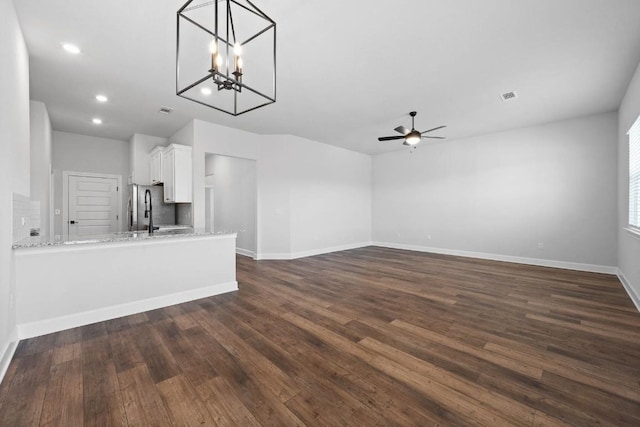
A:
x,y
434,137
390,138
403,130
431,130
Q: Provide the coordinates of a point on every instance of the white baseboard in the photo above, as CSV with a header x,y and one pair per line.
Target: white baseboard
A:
x,y
7,353
627,287
245,252
303,254
43,327
592,268
273,256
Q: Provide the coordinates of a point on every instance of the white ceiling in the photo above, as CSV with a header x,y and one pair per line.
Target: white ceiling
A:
x,y
348,71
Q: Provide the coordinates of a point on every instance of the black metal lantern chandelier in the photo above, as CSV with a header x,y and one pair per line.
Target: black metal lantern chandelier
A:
x,y
226,55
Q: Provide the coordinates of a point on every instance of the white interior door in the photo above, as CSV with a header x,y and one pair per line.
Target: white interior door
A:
x,y
93,205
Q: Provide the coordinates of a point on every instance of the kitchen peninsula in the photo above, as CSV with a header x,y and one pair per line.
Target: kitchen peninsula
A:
x,y
62,284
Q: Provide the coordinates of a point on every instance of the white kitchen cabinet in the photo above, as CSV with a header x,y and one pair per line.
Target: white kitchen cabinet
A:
x,y
155,166
177,174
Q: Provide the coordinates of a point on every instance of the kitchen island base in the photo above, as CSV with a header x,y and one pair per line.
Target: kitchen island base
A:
x,y
61,287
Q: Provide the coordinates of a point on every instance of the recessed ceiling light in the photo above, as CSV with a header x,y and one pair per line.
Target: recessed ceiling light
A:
x,y
205,91
102,98
97,121
71,48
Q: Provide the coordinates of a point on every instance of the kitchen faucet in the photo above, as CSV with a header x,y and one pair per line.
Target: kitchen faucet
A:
x,y
148,213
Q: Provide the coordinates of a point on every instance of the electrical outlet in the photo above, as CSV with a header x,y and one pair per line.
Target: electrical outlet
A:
x,y
540,245
23,221
57,211
428,236
57,237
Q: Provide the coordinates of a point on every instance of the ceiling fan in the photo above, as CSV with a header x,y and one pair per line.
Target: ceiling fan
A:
x,y
413,136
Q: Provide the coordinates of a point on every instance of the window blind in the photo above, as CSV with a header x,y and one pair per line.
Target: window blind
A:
x,y
634,175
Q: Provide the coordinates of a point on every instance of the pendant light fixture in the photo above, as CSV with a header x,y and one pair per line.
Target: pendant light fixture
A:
x,y
226,55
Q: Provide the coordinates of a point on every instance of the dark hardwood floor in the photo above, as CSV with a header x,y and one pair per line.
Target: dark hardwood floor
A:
x,y
363,337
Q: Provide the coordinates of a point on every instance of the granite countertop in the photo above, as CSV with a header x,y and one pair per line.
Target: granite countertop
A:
x,y
42,241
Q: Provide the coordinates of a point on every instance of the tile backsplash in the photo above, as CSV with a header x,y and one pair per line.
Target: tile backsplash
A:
x,y
35,215
183,214
26,217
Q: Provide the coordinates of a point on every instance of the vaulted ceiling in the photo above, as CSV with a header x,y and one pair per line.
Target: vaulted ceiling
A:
x,y
348,71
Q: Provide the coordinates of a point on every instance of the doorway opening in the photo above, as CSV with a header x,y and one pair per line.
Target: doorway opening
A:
x,y
231,199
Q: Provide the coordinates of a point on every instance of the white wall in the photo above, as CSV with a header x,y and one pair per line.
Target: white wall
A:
x,y
139,148
81,153
293,175
628,243
14,162
41,161
504,193
234,184
15,102
274,199
330,190
185,135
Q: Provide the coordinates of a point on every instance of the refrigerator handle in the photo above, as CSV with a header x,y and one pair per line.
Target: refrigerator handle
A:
x,y
130,213
133,208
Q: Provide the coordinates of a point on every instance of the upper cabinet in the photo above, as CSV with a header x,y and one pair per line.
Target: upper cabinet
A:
x,y
155,166
177,174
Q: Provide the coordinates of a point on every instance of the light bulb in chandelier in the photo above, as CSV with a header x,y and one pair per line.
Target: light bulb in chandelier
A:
x,y
237,64
213,48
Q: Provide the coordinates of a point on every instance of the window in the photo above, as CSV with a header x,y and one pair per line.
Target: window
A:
x,y
634,175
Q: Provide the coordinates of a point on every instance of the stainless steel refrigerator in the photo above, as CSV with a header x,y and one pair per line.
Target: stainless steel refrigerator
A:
x,y
163,213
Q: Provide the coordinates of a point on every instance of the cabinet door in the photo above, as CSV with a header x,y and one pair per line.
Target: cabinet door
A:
x,y
156,168
183,177
168,175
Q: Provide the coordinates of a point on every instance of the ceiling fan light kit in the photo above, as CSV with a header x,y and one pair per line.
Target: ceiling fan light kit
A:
x,y
413,136
226,55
